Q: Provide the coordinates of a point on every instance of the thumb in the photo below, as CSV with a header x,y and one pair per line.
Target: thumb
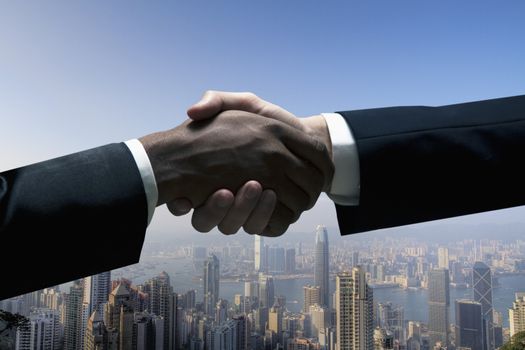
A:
x,y
208,106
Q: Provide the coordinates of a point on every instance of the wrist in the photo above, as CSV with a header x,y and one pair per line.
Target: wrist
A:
x,y
157,147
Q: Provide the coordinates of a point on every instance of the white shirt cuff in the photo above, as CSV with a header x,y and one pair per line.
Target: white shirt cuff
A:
x,y
146,172
345,188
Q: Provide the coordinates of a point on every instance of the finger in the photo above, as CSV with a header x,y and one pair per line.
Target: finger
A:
x,y
245,201
179,206
261,214
309,179
213,211
214,102
282,218
306,147
293,197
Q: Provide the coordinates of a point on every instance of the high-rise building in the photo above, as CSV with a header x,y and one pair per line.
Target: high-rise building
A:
x,y
311,297
221,311
517,314
266,291
241,323
260,255
355,259
438,304
147,328
43,332
119,317
160,298
321,269
96,337
275,320
290,261
211,284
391,318
469,325
96,292
414,331
354,311
319,320
73,319
482,287
276,260
228,336
443,258
383,339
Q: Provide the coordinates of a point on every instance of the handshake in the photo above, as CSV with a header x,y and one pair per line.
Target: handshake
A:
x,y
241,162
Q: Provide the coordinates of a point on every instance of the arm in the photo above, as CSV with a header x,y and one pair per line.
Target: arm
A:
x,y
415,163
87,213
427,163
59,217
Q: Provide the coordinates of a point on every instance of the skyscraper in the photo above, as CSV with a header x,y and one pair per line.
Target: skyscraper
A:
x,y
517,314
96,292
260,254
276,260
438,304
96,333
319,320
311,297
119,316
73,319
354,311
41,333
160,290
469,324
443,258
266,291
482,287
321,265
391,317
211,284
290,260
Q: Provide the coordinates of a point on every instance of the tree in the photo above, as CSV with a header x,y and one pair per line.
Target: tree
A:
x,y
9,322
517,342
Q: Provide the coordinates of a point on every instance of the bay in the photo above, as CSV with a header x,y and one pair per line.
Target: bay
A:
x,y
184,278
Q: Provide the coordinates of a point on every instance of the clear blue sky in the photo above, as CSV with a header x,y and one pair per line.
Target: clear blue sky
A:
x,y
78,74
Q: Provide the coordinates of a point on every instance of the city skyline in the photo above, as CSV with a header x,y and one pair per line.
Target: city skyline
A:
x,y
234,303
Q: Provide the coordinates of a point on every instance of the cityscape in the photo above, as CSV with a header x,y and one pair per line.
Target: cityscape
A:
x,y
390,293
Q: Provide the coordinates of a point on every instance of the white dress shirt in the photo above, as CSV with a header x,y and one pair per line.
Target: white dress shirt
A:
x,y
345,187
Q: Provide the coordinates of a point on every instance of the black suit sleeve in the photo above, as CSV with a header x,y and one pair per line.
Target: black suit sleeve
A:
x,y
426,163
70,217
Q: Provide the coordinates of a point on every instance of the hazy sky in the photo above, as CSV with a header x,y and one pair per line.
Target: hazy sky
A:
x,y
78,74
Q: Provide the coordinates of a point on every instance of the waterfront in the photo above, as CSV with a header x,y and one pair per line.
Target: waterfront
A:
x,y
183,278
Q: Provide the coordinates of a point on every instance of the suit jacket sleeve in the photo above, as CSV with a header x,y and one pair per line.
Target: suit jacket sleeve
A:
x,y
426,163
70,217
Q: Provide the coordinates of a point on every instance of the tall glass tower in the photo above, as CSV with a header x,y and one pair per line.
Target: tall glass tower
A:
x,y
482,287
469,324
211,284
321,265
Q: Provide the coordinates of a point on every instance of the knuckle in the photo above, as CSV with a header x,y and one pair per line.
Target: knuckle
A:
x,y
250,96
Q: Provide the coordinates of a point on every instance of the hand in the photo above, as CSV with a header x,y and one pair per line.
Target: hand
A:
x,y
227,151
211,214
